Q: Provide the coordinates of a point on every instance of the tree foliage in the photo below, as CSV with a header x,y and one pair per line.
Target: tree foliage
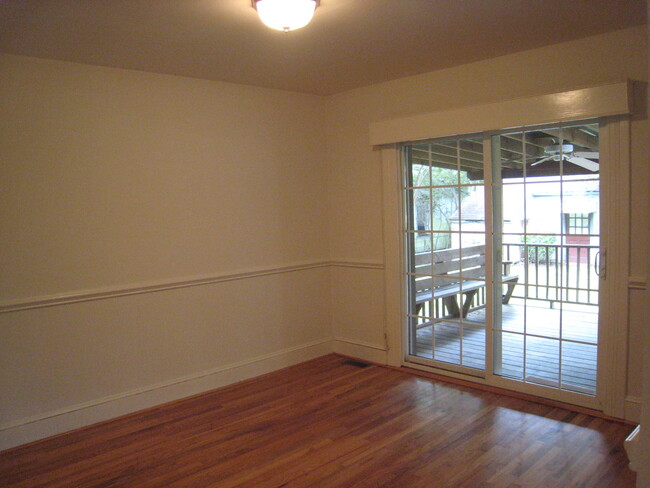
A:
x,y
441,195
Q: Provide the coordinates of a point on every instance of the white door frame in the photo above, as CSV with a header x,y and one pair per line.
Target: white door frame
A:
x,y
604,101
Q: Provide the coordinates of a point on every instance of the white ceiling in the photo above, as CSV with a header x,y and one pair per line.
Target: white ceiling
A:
x,y
350,43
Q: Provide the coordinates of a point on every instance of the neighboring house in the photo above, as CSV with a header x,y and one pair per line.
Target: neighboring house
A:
x,y
577,202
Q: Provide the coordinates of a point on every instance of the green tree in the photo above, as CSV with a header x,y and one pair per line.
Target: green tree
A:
x,y
435,208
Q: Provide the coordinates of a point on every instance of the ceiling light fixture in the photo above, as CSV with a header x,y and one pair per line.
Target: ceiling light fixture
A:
x,y
285,15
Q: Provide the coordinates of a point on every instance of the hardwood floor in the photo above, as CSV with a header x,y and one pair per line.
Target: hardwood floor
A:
x,y
331,423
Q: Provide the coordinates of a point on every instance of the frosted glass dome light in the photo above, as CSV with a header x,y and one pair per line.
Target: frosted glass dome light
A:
x,y
285,15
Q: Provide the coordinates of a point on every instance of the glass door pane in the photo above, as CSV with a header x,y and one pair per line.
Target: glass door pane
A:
x,y
546,199
446,270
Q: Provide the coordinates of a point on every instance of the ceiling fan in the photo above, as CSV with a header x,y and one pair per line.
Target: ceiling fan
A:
x,y
566,152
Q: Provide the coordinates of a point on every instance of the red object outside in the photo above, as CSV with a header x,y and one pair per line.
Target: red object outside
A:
x,y
578,240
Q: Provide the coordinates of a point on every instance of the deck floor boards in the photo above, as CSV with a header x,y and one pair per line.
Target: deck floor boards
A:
x,y
539,361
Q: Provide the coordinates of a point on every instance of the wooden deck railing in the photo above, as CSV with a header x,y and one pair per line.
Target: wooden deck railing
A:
x,y
555,273
552,273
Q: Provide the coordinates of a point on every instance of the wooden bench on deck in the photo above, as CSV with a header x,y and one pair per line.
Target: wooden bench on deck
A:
x,y
448,265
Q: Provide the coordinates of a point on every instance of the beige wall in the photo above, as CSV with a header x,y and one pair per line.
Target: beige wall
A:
x,y
115,176
114,181
189,233
355,179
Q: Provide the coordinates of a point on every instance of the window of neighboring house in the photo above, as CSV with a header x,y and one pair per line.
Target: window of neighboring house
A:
x,y
579,223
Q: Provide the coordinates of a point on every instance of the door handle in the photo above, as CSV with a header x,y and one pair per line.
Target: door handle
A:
x,y
600,264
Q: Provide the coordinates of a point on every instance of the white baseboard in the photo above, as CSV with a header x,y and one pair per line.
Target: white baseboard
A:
x,y
633,409
361,350
81,415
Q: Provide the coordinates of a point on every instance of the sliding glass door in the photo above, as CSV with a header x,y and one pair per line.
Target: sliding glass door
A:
x,y
502,245
547,184
446,238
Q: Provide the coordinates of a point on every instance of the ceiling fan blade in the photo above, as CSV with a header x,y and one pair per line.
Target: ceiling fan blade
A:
x,y
584,163
588,155
542,160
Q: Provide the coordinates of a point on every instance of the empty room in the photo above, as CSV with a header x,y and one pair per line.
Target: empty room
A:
x,y
324,243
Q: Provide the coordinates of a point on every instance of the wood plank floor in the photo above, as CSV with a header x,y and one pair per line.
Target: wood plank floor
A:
x,y
541,360
331,423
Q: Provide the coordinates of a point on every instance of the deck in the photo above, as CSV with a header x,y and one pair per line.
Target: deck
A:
x,y
559,349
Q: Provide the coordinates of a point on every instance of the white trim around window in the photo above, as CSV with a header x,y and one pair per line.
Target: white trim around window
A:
x,y
587,103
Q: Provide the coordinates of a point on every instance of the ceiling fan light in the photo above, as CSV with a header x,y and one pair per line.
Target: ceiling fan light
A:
x,y
285,15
